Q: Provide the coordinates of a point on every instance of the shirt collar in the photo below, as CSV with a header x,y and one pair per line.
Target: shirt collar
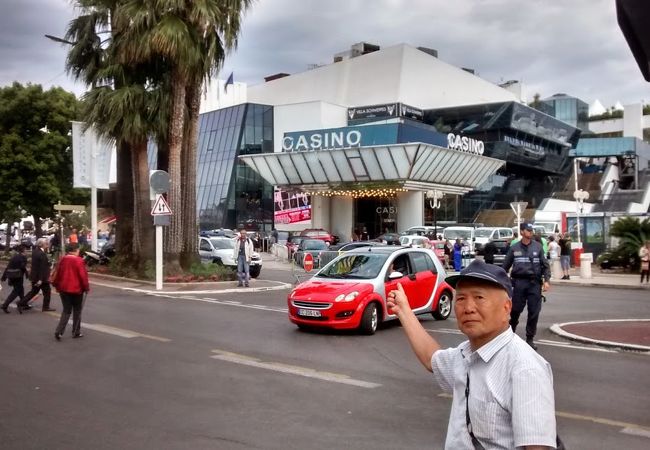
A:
x,y
487,351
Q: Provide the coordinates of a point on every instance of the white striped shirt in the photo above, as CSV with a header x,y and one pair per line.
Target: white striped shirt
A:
x,y
511,400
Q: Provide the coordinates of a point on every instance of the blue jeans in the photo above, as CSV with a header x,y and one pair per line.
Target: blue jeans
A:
x,y
243,270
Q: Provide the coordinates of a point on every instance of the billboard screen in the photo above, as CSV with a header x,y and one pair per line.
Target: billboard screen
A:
x,y
291,207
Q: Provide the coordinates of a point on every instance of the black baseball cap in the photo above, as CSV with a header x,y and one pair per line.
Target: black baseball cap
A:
x,y
526,226
481,271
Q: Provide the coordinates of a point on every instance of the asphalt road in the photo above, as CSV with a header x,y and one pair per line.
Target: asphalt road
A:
x,y
230,372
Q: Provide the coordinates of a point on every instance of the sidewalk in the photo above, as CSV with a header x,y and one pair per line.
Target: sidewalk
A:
x,y
604,279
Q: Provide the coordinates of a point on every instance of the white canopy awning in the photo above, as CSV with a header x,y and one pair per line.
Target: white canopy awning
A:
x,y
414,166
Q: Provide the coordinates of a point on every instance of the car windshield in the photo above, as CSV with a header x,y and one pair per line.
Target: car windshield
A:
x,y
457,234
221,244
313,244
486,232
357,266
548,227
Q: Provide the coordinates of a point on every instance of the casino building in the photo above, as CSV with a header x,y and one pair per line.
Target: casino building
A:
x,y
366,142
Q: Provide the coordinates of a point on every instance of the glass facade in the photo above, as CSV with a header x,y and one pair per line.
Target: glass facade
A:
x,y
534,145
229,193
569,109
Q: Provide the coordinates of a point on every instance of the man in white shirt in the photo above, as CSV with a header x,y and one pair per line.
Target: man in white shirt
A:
x,y
502,389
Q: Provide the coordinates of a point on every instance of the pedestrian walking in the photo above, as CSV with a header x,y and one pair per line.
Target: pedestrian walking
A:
x,y
458,255
243,252
502,390
489,250
530,276
15,274
565,255
39,275
73,238
644,255
71,281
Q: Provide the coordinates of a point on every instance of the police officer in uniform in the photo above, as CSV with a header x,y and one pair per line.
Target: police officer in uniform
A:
x,y
530,275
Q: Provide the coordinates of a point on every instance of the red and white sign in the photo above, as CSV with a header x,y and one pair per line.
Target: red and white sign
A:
x,y
308,262
161,208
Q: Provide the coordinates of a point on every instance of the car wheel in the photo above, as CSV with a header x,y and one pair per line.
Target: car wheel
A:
x,y
217,261
443,310
255,271
370,319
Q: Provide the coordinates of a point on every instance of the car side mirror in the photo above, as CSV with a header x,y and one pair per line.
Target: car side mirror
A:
x,y
395,275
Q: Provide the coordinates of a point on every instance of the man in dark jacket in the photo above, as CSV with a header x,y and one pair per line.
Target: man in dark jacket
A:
x,y
15,274
530,276
489,250
39,275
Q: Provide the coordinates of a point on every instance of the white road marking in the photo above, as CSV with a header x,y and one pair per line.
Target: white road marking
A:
x,y
225,302
444,330
292,370
626,428
578,347
636,432
127,334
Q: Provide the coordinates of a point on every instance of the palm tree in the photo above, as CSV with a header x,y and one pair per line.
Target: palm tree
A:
x,y
189,36
120,106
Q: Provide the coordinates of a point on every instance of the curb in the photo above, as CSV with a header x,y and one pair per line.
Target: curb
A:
x,y
556,328
593,284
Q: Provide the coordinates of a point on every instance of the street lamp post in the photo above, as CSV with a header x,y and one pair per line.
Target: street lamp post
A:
x,y
580,196
434,197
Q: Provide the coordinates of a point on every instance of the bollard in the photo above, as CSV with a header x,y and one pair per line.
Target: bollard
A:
x,y
585,264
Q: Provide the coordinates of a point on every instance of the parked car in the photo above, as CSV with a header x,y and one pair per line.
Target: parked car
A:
x,y
438,248
430,232
483,235
502,246
219,232
219,250
465,234
415,241
350,292
319,233
313,246
389,238
292,245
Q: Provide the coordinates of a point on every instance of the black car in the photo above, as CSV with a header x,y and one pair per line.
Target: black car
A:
x,y
389,238
502,246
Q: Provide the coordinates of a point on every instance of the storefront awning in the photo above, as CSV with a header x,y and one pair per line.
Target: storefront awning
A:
x,y
414,166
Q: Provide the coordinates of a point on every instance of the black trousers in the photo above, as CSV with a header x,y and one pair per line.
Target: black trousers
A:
x,y
72,303
526,293
647,276
43,287
17,291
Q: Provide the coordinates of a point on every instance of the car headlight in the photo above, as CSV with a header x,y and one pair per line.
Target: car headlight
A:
x,y
346,298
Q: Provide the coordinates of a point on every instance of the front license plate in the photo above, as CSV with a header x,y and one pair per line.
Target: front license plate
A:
x,y
309,313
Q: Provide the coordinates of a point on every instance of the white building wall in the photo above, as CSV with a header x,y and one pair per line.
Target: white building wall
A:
x,y
395,74
632,121
410,209
320,212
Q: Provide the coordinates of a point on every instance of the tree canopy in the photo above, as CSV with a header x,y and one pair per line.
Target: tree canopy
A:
x,y
35,151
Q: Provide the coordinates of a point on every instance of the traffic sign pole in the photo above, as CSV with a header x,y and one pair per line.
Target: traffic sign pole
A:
x,y
159,258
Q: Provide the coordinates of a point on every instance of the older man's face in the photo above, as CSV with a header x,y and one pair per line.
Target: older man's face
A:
x,y
482,311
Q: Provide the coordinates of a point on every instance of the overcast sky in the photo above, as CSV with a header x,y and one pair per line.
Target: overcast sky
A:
x,y
570,46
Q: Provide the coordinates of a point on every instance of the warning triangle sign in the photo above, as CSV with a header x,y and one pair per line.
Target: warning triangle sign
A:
x,y
161,208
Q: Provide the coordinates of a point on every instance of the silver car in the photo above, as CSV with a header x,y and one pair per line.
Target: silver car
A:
x,y
220,249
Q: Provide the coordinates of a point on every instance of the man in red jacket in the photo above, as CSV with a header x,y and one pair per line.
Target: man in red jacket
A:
x,y
71,280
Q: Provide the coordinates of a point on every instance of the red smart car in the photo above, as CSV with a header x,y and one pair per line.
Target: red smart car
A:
x,y
350,292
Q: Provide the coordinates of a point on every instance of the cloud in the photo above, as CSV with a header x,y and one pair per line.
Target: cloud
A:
x,y
573,47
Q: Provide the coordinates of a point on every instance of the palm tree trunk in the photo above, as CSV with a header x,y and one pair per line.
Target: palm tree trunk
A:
x,y
124,203
143,245
190,252
174,233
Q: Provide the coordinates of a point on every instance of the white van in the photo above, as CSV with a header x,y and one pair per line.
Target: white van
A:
x,y
483,235
465,234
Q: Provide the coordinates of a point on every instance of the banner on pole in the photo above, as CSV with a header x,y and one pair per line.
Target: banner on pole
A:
x,y
86,145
